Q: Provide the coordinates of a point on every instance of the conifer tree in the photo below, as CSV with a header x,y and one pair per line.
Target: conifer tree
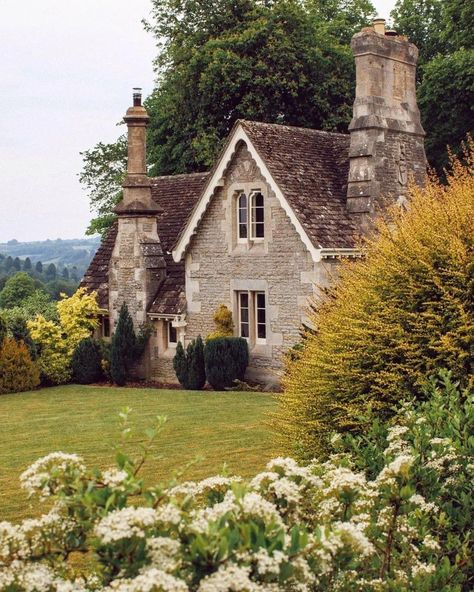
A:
x,y
39,267
123,348
27,264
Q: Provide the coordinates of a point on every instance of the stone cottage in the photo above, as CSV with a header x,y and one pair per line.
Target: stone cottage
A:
x,y
266,227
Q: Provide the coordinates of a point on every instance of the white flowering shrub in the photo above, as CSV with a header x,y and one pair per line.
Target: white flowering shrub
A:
x,y
347,523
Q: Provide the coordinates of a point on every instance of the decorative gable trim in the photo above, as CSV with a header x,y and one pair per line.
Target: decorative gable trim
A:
x,y
239,134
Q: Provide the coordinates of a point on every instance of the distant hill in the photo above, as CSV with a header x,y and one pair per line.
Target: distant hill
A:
x,y
63,253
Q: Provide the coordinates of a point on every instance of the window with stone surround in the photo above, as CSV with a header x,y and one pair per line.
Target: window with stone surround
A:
x,y
172,335
250,216
252,316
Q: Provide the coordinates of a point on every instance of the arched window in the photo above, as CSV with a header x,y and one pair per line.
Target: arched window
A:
x,y
257,209
243,216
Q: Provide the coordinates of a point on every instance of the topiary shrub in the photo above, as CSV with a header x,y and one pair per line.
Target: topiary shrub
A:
x,y
189,365
226,359
397,315
87,362
18,372
223,322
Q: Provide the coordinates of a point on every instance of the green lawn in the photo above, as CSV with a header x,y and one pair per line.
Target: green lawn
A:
x,y
221,427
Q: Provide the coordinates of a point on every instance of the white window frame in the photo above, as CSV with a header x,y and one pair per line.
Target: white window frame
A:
x,y
251,223
250,215
239,195
260,340
252,321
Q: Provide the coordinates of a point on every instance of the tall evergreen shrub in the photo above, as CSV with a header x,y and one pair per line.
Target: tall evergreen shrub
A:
x,y
87,362
189,365
397,315
123,348
226,359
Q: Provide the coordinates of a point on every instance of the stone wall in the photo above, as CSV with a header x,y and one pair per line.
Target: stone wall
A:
x,y
217,267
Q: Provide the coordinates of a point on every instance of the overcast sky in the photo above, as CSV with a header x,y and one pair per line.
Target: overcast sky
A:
x,y
67,73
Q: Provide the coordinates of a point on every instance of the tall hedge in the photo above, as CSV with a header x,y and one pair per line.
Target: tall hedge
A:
x,y
18,372
226,359
398,315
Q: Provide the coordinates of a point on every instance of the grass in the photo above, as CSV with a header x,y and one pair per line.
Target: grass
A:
x,y
220,427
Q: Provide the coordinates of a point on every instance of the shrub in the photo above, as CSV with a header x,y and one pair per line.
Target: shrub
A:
x,y
226,359
87,362
18,372
325,526
223,322
189,365
122,350
397,315
57,340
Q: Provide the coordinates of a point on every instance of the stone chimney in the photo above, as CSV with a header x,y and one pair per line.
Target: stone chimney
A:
x,y
137,263
386,147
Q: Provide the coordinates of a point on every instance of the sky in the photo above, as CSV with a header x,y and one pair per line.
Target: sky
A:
x,y
67,73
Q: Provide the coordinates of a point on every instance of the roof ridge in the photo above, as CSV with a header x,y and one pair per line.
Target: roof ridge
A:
x,y
292,127
179,175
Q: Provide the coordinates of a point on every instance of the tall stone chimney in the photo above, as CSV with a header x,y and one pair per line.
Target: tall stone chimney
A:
x,y
386,147
137,264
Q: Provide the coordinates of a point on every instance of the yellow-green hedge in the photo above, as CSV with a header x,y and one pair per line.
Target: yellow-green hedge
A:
x,y
398,315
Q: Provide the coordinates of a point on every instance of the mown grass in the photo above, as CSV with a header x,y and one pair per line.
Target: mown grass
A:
x,y
219,427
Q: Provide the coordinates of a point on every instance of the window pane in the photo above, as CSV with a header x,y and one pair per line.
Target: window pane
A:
x,y
258,215
243,215
172,334
244,326
261,315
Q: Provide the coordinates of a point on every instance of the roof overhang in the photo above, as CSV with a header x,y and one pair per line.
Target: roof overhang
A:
x,y
215,181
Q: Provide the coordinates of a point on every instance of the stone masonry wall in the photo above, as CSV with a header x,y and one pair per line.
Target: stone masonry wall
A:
x,y
217,266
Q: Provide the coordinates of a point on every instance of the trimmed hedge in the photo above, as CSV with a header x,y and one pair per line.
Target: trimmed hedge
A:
x,y
226,359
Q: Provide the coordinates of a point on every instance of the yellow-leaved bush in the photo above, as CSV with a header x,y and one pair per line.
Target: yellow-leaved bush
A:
x,y
397,315
78,317
223,322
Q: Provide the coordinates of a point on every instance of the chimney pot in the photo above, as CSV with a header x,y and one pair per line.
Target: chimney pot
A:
x,y
137,97
379,25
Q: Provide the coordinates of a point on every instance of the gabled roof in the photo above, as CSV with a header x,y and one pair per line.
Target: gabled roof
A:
x,y
311,168
176,195
308,171
96,278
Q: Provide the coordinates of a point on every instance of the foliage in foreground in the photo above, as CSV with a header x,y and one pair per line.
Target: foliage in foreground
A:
x,y
401,523
397,315
57,340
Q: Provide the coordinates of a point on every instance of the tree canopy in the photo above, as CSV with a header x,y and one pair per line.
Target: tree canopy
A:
x,y
444,33
282,61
